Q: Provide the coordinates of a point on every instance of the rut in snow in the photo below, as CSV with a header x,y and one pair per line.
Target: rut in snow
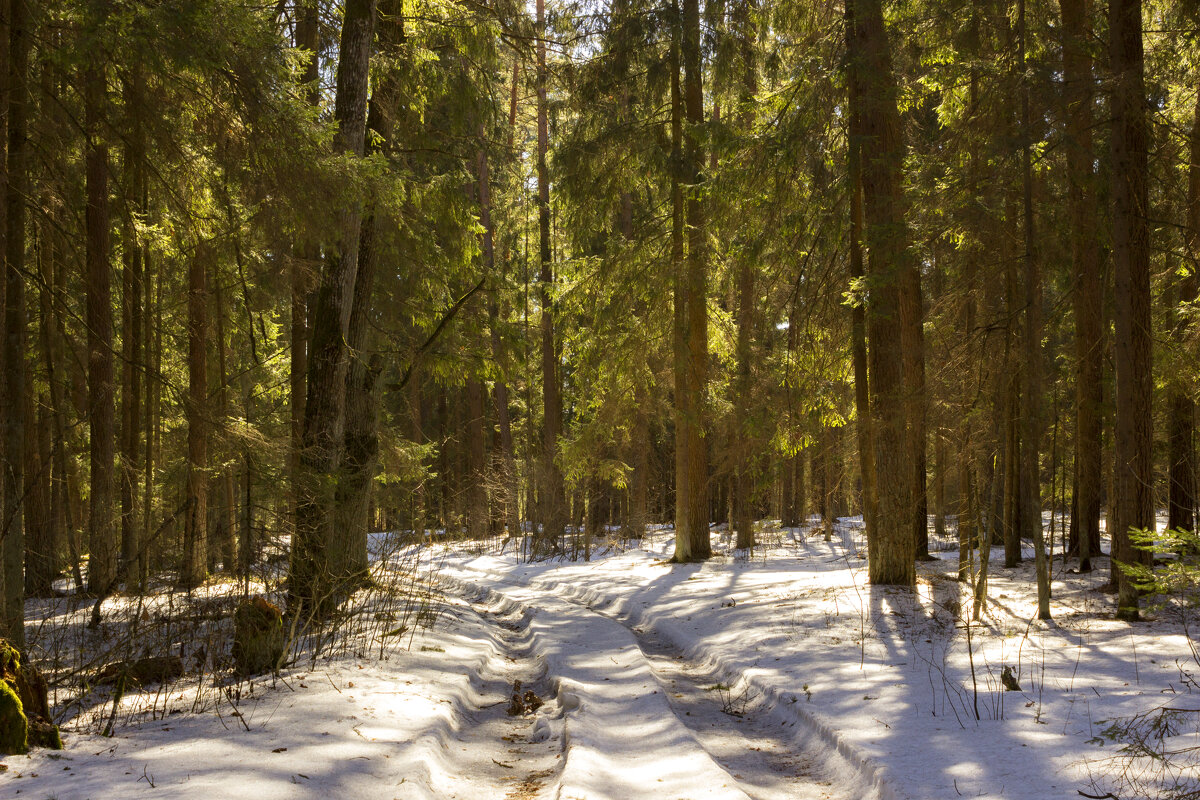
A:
x,y
637,717
531,752
769,757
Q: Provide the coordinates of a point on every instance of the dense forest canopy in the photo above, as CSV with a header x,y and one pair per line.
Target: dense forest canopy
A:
x,y
280,274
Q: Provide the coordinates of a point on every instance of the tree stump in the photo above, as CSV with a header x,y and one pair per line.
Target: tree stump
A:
x,y
24,710
258,636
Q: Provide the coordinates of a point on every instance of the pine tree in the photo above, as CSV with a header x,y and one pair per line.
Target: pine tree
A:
x,y
1133,480
891,552
312,585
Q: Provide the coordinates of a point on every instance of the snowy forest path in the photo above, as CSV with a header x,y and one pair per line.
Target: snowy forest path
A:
x,y
640,719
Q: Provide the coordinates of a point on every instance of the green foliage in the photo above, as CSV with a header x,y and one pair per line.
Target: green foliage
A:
x,y
1175,574
13,723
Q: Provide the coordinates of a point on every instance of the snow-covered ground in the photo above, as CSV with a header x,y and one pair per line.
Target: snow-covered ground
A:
x,y
781,675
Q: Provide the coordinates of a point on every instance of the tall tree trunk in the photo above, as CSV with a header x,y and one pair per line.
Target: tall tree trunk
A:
x,y
745,29
54,274
678,284
477,504
858,310
308,42
347,556
637,516
102,544
443,460
993,453
831,465
1031,373
224,526
787,492
39,575
1132,456
16,186
691,539
41,531
247,546
132,561
419,507
11,508
801,489
1012,405
552,492
509,489
1181,469
890,552
194,568
940,457
912,323
152,346
310,582
348,549
1084,211
966,507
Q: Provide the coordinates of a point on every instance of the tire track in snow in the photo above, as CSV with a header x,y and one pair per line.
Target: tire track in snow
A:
x,y
861,776
848,772
621,738
762,754
759,750
529,762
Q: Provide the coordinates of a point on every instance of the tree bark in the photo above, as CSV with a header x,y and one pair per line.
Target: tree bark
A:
x,y
194,568
224,524
477,505
1084,211
912,342
801,477
787,492
1031,373
691,538
1181,470
132,566
637,515
419,510
42,515
858,310
46,562
940,456
15,188
307,41
152,346
745,29
552,499
248,547
1012,404
360,458
1132,456
891,551
310,582
509,490
966,507
102,544
678,284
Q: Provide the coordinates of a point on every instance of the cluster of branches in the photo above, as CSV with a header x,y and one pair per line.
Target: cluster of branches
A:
x,y
310,269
